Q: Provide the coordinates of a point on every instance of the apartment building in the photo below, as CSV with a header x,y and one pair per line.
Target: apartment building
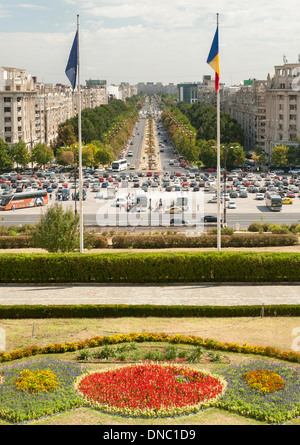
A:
x,y
32,111
267,110
17,105
247,105
283,106
156,88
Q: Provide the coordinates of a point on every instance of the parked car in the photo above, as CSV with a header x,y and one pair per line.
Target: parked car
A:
x,y
178,222
259,196
287,201
231,205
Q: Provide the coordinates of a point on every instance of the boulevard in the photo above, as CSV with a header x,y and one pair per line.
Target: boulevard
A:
x,y
100,208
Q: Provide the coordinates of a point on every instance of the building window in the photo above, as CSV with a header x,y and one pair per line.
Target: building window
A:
x,y
7,99
7,120
7,129
7,109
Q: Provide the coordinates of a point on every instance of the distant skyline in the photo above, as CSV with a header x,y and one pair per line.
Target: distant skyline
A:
x,y
150,41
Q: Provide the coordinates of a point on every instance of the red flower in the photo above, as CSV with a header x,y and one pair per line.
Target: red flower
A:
x,y
150,387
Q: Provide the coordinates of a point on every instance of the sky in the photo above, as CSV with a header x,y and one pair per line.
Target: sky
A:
x,y
135,41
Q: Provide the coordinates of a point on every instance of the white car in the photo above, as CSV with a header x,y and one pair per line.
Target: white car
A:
x,y
231,205
259,196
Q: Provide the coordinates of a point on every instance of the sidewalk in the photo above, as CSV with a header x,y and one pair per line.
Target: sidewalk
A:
x,y
189,294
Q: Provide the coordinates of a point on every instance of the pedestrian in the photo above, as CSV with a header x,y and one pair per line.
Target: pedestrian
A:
x,y
50,195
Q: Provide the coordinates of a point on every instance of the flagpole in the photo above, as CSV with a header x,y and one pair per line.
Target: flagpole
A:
x,y
80,149
218,166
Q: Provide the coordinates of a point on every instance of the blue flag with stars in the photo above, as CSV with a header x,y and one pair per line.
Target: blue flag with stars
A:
x,y
71,70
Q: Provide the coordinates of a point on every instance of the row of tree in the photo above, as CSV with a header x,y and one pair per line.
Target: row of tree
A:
x,y
202,151
97,122
282,155
105,130
204,118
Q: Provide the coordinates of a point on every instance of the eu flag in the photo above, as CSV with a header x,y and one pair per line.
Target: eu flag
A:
x,y
71,70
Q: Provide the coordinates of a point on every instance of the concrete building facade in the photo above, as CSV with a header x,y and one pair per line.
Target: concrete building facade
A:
x,y
31,111
267,110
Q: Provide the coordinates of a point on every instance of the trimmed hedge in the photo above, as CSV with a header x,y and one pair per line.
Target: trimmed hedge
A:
x,y
204,241
16,242
154,267
121,311
91,241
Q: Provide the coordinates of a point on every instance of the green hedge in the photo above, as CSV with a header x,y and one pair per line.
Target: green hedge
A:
x,y
16,242
204,241
91,241
154,267
118,311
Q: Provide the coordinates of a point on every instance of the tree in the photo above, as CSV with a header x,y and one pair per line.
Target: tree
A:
x,y
58,230
6,160
104,156
87,156
42,154
235,155
280,155
21,154
66,136
259,156
65,157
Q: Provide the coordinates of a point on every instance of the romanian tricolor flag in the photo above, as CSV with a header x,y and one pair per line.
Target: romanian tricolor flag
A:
x,y
213,58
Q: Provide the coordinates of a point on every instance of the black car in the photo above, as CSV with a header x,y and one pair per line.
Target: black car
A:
x,y
210,219
178,222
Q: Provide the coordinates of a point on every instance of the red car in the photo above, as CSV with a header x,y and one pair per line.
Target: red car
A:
x,y
291,195
210,170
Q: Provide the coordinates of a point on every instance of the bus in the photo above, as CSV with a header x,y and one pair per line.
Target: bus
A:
x,y
16,201
273,201
119,165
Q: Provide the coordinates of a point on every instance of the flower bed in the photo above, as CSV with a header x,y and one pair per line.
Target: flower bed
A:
x,y
191,340
262,389
264,380
22,393
150,390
